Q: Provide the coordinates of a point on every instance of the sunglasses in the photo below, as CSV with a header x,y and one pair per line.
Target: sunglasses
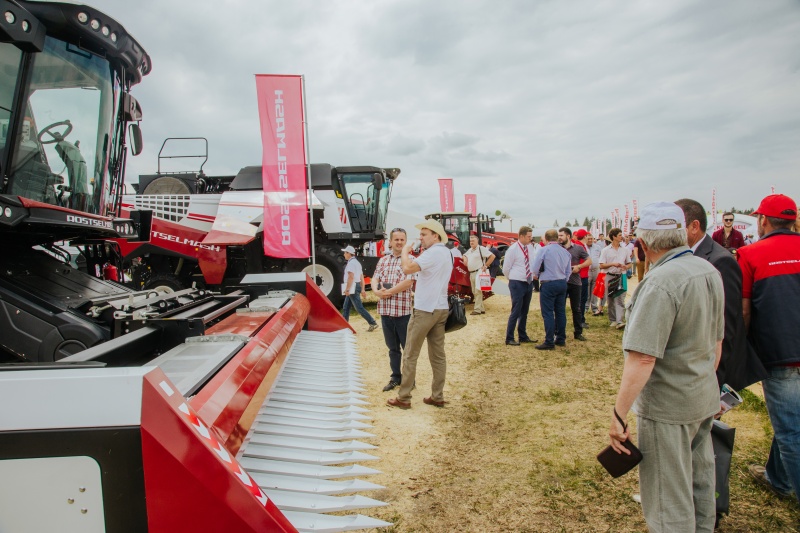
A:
x,y
728,219
401,230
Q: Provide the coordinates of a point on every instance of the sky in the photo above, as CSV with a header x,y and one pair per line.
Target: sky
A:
x,y
546,110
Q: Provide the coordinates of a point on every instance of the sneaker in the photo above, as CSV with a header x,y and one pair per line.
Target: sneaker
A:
x,y
584,325
391,385
759,474
580,338
620,325
612,324
373,327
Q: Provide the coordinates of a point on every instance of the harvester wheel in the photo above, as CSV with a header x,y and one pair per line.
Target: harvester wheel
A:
x,y
330,269
164,284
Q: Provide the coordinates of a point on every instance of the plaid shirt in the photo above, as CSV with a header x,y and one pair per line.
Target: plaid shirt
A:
x,y
390,270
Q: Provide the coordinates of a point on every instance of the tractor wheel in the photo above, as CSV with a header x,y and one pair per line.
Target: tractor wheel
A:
x,y
330,271
163,284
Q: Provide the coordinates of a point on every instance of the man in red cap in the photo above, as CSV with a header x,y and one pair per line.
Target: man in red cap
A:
x,y
770,292
582,237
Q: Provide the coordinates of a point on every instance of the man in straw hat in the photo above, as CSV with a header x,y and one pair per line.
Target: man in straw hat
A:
x,y
433,269
672,346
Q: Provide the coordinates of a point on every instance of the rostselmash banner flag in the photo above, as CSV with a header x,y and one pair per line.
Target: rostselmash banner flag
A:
x,y
635,208
471,204
280,108
714,206
627,222
446,194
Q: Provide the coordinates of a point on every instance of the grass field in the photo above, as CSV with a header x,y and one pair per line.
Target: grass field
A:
x,y
515,448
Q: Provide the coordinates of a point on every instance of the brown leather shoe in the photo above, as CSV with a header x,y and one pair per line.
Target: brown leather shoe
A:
x,y
475,313
431,401
395,402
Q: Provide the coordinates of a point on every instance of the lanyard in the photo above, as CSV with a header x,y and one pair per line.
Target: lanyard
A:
x,y
677,256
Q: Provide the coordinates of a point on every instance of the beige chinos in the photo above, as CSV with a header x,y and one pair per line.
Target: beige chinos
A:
x,y
425,325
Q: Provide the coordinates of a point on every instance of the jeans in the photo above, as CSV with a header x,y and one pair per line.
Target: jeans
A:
x,y
584,297
574,293
521,292
552,300
394,333
354,300
782,394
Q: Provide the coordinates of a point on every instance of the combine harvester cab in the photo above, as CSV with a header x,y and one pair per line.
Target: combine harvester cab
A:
x,y
130,410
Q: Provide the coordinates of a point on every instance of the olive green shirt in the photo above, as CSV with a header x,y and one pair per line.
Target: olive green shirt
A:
x,y
676,316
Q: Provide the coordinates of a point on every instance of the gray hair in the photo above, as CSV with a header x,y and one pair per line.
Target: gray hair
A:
x,y
660,240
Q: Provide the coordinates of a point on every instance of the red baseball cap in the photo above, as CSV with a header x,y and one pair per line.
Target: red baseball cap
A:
x,y
777,206
580,234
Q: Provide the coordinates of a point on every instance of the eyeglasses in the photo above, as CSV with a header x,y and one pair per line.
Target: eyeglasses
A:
x,y
727,219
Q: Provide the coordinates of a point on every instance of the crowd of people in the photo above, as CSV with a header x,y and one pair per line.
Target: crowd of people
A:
x,y
707,310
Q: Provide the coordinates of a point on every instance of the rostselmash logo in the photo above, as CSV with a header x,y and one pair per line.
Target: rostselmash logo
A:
x,y
188,242
86,221
283,180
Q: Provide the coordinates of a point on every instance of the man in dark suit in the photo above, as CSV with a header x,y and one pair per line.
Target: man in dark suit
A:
x,y
739,366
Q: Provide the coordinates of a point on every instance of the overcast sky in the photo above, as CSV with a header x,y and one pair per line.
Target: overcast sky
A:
x,y
546,110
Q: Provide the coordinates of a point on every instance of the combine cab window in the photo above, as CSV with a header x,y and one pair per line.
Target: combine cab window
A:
x,y
10,57
363,197
459,226
61,156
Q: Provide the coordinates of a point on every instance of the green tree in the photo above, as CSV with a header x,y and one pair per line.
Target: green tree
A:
x,y
586,222
555,223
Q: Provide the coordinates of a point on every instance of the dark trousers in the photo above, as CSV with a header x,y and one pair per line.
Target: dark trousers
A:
x,y
553,301
394,333
354,300
521,292
584,298
575,295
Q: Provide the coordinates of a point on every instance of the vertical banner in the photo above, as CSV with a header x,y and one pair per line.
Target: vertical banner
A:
x,y
446,195
772,190
471,204
714,206
280,109
617,218
627,222
635,209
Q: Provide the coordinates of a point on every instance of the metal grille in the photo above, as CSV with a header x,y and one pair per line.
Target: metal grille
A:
x,y
167,207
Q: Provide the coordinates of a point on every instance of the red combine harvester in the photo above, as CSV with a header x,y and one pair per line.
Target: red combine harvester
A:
x,y
130,410
207,231
462,225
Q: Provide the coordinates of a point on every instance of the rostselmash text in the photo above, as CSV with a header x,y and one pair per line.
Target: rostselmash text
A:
x,y
86,221
189,242
283,180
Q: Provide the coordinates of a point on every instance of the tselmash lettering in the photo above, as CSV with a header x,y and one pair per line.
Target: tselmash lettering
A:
x,y
283,180
188,242
86,221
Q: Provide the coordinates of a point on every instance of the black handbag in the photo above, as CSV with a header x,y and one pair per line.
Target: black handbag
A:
x,y
618,464
457,314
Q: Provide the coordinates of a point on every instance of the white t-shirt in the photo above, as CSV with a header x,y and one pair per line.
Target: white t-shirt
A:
x,y
612,255
355,267
436,265
476,257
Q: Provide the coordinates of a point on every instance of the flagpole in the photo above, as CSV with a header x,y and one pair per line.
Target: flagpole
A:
x,y
310,192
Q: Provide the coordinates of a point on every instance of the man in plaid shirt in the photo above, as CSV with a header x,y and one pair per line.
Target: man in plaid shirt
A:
x,y
393,287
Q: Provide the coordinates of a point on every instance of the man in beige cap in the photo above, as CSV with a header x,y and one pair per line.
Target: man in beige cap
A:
x,y
433,269
669,373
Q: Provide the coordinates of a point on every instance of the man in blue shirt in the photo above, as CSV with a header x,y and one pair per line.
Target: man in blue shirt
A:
x,y
553,289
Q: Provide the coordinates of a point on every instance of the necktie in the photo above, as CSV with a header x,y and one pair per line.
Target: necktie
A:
x,y
528,274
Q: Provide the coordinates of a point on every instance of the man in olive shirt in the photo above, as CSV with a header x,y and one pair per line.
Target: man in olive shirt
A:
x,y
669,371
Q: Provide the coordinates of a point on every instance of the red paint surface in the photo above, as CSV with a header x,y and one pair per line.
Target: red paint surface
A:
x,y
324,316
191,483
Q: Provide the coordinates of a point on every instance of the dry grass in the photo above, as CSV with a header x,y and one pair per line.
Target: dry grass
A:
x,y
515,449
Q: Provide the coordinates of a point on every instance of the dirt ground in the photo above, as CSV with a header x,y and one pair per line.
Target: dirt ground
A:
x,y
514,449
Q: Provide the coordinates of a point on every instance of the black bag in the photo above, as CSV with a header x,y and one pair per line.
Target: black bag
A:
x,y
457,315
614,285
618,464
722,436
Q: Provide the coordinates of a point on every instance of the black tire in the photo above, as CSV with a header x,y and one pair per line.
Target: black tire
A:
x,y
330,272
164,283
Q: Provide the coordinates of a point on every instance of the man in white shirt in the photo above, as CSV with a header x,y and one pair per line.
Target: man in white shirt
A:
x,y
478,258
517,270
614,260
433,268
353,288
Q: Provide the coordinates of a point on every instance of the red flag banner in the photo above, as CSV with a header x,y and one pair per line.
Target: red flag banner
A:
x,y
471,204
280,108
446,194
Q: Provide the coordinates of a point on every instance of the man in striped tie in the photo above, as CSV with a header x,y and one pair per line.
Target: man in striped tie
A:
x,y
517,270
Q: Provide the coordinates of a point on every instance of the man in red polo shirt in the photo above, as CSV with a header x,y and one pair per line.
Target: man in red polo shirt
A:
x,y
770,294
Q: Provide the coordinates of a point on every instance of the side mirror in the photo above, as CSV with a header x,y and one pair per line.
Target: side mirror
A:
x,y
135,139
